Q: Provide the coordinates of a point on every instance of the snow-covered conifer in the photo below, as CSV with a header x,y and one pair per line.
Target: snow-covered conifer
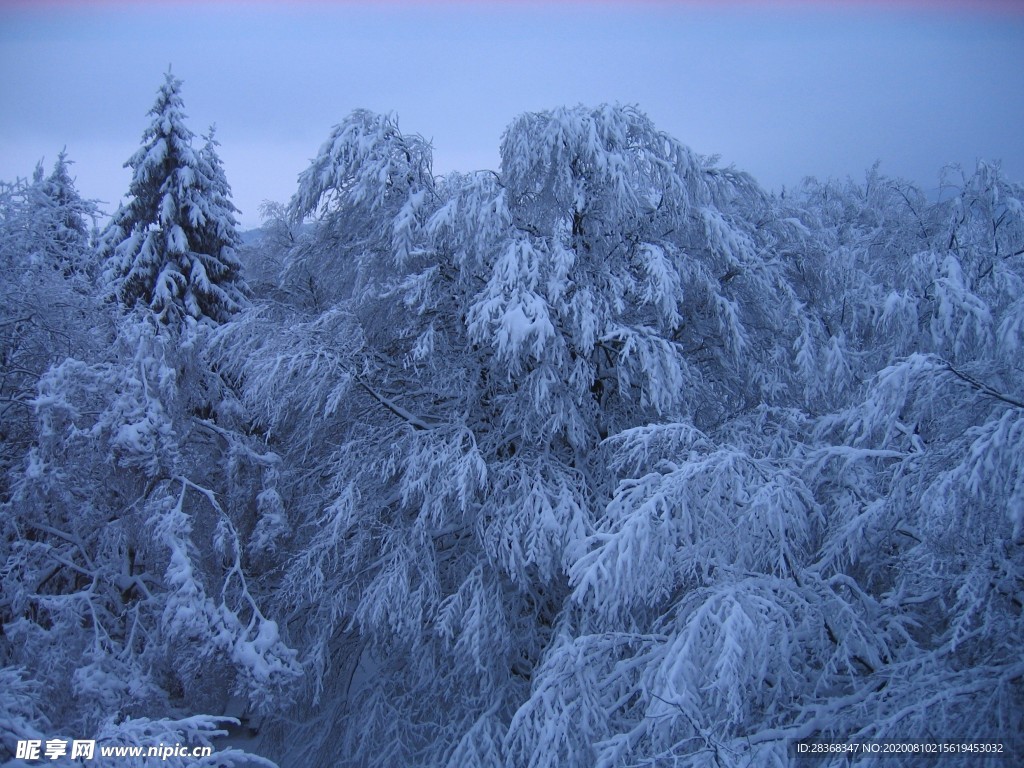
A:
x,y
67,218
171,246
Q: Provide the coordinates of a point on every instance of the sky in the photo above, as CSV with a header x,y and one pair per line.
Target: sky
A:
x,y
783,90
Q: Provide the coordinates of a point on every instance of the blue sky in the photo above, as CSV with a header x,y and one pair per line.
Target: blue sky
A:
x,y
782,90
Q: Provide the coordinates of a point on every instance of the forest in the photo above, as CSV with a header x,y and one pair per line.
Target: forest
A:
x,y
608,457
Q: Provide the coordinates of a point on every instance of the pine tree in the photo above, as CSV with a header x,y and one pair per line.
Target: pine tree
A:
x,y
45,219
172,246
70,211
221,226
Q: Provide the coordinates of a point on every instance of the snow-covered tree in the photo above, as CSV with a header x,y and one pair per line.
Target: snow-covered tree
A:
x,y
844,576
486,334
137,515
46,221
171,246
46,310
928,474
65,219
267,259
130,567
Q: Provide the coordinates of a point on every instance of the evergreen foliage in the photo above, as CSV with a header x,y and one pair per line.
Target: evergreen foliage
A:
x,y
171,247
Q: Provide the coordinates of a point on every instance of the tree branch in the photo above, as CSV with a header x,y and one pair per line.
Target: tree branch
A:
x,y
395,408
984,389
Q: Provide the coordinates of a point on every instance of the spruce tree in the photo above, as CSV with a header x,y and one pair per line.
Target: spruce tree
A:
x,y
61,213
172,245
221,225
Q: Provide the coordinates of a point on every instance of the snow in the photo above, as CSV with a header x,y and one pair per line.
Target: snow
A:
x,y
606,458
